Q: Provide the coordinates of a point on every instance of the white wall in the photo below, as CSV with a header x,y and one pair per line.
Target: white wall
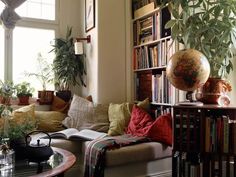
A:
x,y
106,55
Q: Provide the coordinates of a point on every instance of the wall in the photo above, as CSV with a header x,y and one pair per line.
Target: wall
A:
x,y
106,55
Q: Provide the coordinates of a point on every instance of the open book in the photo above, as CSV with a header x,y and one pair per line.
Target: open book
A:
x,y
72,133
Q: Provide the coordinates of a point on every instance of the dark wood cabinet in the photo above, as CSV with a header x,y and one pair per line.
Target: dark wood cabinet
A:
x,y
204,141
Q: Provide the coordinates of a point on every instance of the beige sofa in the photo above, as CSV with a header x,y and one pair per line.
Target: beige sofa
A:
x,y
145,159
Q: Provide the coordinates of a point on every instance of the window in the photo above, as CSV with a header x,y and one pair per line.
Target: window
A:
x,y
37,41
29,38
1,53
39,9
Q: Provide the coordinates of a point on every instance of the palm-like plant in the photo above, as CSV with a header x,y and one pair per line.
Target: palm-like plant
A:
x,y
69,69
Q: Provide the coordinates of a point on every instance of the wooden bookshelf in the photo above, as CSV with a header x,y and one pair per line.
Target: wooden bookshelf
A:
x,y
204,141
152,48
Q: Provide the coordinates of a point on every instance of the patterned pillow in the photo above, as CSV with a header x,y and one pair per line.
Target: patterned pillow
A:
x,y
83,114
80,114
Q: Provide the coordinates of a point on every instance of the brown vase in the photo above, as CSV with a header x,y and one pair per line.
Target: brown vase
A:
x,y
210,92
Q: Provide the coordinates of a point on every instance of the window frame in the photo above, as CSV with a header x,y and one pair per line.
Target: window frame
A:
x,y
28,23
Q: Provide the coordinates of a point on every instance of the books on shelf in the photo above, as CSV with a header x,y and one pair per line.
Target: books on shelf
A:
x,y
72,133
143,8
150,56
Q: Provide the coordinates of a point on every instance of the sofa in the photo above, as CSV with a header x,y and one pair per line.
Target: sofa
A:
x,y
152,158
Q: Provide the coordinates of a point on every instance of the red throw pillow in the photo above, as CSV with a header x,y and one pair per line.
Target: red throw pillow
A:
x,y
140,122
161,129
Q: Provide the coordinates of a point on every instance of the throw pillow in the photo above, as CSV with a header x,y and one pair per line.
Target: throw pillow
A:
x,y
140,122
25,113
145,104
49,121
83,114
119,117
80,114
100,118
161,129
59,105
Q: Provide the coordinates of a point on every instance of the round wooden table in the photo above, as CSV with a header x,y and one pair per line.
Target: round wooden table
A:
x,y
57,165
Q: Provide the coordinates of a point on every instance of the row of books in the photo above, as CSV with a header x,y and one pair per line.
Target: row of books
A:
x,y
142,7
189,165
160,110
151,28
220,135
162,90
154,55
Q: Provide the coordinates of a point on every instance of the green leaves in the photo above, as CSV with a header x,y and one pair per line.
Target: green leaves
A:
x,y
208,26
69,69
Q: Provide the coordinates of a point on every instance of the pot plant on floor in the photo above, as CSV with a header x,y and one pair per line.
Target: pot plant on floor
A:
x,y
45,76
210,27
69,69
24,91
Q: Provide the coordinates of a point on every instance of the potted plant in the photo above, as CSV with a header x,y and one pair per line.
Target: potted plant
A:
x,y
24,91
7,89
69,69
45,76
207,26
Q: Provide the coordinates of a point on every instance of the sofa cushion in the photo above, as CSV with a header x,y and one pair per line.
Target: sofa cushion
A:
x,y
80,114
49,121
25,113
145,104
140,122
161,130
59,105
119,117
135,153
83,114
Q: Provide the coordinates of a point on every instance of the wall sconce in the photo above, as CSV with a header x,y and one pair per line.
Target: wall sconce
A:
x,y
79,50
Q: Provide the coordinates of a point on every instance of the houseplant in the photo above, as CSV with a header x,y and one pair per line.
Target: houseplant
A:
x,y
69,69
44,74
207,26
7,89
23,92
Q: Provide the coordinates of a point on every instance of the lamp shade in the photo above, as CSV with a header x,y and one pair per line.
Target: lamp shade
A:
x,y
78,48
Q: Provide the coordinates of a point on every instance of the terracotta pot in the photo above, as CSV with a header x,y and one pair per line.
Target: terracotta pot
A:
x,y
5,100
23,100
210,92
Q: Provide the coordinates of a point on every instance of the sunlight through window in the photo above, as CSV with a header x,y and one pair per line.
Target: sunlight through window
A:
x,y
26,50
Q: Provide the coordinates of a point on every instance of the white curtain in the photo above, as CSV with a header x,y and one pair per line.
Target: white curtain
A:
x,y
8,16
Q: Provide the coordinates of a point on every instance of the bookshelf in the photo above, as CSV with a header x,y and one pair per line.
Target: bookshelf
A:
x,y
152,47
204,141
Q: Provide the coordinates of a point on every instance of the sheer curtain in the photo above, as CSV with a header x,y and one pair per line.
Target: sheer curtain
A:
x,y
8,16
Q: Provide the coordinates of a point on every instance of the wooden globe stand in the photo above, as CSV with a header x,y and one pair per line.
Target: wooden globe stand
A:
x,y
189,100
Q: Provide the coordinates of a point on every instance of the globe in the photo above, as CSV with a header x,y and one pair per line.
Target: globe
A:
x,y
188,70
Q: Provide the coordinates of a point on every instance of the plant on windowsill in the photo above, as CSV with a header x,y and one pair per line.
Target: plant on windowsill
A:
x,y
210,27
45,76
7,89
69,69
24,91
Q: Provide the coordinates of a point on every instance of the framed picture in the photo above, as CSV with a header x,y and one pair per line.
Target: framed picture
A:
x,y
89,14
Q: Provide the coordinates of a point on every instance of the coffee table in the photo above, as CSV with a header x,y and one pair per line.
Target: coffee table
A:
x,y
57,165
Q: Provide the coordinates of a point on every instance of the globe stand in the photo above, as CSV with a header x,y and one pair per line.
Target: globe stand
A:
x,y
190,101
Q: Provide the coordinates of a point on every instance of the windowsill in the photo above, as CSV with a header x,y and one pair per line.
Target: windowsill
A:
x,y
38,107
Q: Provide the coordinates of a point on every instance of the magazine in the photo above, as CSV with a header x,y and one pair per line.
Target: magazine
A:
x,y
72,133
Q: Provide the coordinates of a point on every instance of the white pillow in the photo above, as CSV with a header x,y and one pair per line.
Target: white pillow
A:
x,y
83,114
80,114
